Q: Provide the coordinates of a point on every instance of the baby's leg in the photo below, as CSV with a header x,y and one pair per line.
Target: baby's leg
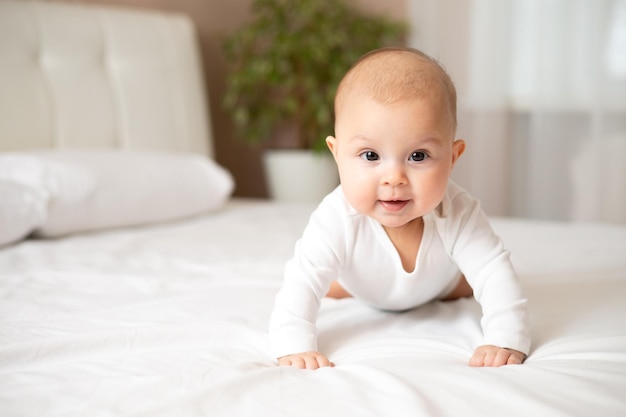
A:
x,y
337,291
461,290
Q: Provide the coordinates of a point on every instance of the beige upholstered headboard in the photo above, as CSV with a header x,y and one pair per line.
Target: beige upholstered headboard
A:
x,y
84,76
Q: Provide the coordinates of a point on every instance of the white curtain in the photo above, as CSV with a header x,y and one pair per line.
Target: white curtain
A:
x,y
542,88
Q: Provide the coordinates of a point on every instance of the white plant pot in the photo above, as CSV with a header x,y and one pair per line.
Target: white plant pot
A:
x,y
299,175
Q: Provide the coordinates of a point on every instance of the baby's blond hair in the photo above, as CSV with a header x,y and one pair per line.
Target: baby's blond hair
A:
x,y
389,75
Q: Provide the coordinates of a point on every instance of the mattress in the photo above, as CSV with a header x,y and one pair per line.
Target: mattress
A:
x,y
171,320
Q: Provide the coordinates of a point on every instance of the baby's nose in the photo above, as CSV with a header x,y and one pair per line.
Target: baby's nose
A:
x,y
394,175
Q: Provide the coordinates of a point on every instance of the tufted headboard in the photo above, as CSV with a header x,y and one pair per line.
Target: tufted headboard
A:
x,y
85,76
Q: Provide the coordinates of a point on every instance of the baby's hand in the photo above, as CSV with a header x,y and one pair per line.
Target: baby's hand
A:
x,y
305,360
489,355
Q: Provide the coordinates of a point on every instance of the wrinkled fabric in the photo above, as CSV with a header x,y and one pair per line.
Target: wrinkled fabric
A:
x,y
171,320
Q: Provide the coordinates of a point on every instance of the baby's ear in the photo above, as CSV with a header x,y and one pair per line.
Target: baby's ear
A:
x,y
331,142
458,147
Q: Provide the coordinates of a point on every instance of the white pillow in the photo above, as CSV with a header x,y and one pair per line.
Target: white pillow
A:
x,y
26,184
22,209
97,189
63,181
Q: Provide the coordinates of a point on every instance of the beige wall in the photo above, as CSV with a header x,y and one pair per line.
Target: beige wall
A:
x,y
214,20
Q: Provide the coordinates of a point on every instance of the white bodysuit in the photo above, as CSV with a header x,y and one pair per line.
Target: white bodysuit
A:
x,y
341,244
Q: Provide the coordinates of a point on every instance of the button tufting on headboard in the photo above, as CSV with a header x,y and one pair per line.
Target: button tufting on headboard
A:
x,y
85,76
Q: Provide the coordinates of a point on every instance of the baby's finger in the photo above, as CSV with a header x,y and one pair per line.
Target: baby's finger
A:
x,y
323,361
514,360
311,362
490,357
502,357
295,361
477,359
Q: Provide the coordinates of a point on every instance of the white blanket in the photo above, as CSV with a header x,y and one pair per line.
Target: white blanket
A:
x,y
171,320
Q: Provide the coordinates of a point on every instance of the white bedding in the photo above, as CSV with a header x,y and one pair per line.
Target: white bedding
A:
x,y
171,320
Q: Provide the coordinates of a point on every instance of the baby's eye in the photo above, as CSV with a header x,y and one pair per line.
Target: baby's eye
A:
x,y
370,156
418,156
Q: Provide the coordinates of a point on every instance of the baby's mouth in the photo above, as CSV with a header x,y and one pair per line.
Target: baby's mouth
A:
x,y
393,205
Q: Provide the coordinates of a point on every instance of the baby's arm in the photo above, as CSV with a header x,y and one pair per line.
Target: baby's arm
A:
x,y
308,274
489,355
305,360
481,255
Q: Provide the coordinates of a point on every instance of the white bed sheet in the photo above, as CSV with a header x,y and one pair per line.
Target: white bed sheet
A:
x,y
171,320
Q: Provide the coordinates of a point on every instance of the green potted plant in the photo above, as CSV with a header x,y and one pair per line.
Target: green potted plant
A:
x,y
284,67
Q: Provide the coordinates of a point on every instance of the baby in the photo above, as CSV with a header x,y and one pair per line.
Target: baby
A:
x,y
398,233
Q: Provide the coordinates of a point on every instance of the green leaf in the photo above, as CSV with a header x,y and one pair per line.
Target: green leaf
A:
x,y
285,63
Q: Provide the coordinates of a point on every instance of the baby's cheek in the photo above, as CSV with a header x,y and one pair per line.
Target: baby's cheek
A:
x,y
361,199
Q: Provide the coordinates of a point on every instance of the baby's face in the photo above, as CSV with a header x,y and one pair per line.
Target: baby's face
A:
x,y
395,159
